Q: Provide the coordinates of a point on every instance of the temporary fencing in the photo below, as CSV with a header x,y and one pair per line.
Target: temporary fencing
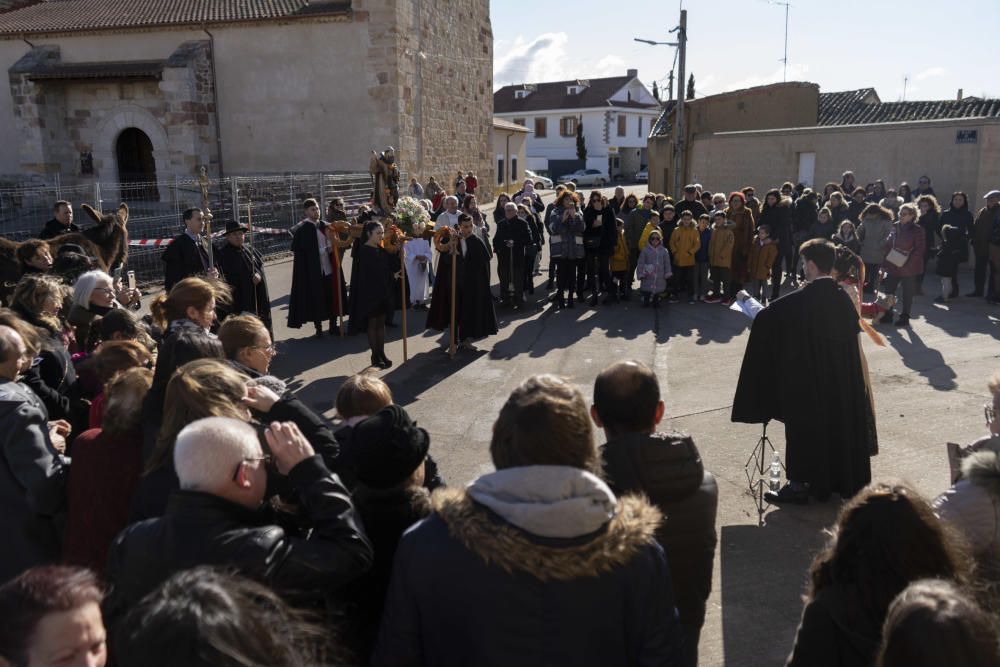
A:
x,y
156,208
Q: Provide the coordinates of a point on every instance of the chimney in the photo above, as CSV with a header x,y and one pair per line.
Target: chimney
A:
x,y
959,94
632,73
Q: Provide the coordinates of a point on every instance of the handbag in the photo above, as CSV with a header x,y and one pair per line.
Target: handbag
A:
x,y
897,257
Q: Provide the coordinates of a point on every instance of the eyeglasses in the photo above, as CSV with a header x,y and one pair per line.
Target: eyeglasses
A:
x,y
267,459
270,349
991,414
106,290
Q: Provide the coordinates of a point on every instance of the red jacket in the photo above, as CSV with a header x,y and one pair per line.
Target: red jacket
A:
x,y
910,239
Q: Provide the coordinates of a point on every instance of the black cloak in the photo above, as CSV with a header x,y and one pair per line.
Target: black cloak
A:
x,y
803,367
305,302
371,286
474,310
238,266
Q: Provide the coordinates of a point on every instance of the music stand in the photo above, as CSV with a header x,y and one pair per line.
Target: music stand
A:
x,y
758,459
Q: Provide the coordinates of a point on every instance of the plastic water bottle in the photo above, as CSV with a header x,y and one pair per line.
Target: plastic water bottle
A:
x,y
774,479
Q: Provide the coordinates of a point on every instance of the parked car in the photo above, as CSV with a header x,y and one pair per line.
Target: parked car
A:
x,y
642,175
541,182
594,177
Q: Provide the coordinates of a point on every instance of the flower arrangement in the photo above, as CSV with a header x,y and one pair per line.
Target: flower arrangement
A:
x,y
410,211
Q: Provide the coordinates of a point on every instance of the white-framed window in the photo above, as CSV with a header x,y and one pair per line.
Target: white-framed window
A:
x,y
567,126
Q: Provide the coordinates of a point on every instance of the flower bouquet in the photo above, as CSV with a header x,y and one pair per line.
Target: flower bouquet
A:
x,y
410,213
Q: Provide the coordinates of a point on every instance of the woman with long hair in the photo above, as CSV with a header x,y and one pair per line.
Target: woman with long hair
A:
x,y
372,291
885,537
929,220
566,224
959,216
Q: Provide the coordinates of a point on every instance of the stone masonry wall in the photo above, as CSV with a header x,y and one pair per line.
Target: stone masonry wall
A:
x,y
431,64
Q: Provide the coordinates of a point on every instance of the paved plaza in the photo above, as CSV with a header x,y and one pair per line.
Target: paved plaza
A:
x,y
929,384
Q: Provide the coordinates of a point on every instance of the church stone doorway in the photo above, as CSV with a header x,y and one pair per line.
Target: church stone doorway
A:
x,y
136,166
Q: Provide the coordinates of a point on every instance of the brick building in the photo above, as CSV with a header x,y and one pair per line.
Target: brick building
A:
x,y
148,90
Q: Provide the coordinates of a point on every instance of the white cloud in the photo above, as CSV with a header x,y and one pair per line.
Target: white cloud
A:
x,y
609,66
930,73
542,59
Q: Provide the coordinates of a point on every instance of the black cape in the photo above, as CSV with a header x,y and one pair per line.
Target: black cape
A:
x,y
371,286
54,228
803,367
304,302
474,308
238,266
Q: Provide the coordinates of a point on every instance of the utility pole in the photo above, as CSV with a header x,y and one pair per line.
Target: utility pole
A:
x,y
681,143
784,73
670,85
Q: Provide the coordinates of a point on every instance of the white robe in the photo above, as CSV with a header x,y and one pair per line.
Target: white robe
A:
x,y
416,272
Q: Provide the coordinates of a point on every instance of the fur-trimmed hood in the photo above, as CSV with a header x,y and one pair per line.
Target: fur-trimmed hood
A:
x,y
482,518
982,469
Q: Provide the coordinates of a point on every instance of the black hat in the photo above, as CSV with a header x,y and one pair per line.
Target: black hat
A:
x,y
235,226
388,447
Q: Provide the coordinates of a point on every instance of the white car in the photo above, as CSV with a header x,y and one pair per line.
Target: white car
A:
x,y
541,182
594,177
642,176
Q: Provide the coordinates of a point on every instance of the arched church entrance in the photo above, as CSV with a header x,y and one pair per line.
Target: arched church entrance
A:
x,y
136,166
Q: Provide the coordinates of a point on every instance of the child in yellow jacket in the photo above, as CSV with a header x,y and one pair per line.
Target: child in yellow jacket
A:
x,y
619,261
763,253
654,223
684,243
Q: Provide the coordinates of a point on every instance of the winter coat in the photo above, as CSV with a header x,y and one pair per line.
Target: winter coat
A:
x,y
872,232
650,227
854,210
805,216
720,248
779,219
570,233
823,230
960,218
667,469
982,230
910,239
972,504
684,243
555,552
930,222
32,483
203,529
744,230
54,228
852,243
953,251
836,631
705,238
635,224
102,480
605,233
839,213
762,256
653,269
619,260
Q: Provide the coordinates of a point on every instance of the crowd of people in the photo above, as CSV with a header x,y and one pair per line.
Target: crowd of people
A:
x,y
168,501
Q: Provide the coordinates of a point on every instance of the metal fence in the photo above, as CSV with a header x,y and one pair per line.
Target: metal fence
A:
x,y
155,208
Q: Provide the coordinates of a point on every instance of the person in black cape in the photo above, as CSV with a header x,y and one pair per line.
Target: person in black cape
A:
x,y
371,291
474,300
803,367
243,268
311,297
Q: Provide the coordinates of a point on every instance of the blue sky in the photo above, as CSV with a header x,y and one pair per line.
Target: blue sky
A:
x,y
841,45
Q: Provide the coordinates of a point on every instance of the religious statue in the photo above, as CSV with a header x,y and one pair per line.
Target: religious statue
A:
x,y
385,180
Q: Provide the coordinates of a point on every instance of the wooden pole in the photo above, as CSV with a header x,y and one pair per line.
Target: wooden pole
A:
x,y
454,281
402,292
336,283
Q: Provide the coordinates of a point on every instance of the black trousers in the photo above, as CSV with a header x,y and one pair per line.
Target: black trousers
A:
x,y
598,268
909,284
505,266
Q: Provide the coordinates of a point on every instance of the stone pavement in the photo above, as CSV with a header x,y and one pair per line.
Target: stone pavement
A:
x,y
929,383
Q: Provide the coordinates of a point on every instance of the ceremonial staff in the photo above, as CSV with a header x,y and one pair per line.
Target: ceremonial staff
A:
x,y
207,213
454,281
396,241
253,255
333,231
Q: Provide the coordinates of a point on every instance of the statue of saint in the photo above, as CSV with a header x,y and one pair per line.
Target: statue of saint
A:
x,y
385,180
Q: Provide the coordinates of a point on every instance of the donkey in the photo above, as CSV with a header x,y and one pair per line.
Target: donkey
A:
x,y
106,242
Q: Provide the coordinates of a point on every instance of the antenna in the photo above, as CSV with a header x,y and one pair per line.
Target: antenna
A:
x,y
786,5
906,79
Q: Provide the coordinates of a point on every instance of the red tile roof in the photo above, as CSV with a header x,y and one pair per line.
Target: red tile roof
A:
x,y
79,15
863,107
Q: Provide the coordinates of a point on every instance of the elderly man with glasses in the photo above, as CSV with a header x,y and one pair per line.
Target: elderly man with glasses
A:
x,y
219,517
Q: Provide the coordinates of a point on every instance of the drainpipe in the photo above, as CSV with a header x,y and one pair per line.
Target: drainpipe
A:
x,y
25,40
215,98
507,157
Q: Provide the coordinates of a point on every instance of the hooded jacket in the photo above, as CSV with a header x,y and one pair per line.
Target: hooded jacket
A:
x,y
684,243
667,468
972,504
873,231
529,566
32,483
836,630
762,256
720,248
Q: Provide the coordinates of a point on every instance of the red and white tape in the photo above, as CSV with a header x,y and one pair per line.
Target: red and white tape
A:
x,y
159,243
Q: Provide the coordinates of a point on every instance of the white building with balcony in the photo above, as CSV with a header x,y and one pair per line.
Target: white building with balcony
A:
x,y
616,113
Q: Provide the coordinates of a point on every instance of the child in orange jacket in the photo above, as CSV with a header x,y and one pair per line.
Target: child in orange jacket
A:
x,y
763,253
